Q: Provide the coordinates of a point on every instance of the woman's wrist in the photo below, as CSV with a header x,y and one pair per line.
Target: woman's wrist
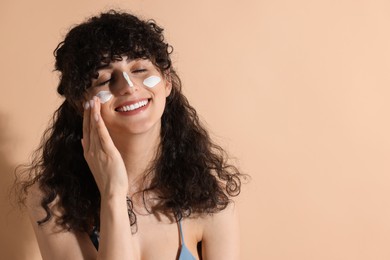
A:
x,y
113,195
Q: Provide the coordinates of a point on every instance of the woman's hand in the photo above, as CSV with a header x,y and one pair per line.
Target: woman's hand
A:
x,y
103,158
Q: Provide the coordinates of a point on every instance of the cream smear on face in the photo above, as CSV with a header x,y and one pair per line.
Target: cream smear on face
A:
x,y
127,78
104,96
152,81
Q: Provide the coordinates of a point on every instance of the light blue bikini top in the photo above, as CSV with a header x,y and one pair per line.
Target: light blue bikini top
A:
x,y
185,254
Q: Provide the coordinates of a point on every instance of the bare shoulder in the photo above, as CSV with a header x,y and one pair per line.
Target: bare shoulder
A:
x,y
230,213
221,234
33,202
55,242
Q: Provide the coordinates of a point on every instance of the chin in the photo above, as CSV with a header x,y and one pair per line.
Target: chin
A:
x,y
139,128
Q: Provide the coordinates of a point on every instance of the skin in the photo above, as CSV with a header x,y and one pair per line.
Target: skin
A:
x,y
118,148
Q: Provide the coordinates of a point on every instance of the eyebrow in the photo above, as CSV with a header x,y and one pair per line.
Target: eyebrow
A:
x,y
109,66
104,66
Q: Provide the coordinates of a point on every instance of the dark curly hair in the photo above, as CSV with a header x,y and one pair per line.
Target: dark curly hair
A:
x,y
190,173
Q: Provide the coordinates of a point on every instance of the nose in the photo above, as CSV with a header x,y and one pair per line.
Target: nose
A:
x,y
126,86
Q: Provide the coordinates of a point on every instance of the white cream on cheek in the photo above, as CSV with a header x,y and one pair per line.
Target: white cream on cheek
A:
x,y
152,81
104,96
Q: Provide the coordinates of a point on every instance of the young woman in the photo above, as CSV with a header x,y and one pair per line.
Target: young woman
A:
x,y
126,170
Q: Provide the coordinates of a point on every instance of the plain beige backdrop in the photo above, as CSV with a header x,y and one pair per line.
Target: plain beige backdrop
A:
x,y
297,91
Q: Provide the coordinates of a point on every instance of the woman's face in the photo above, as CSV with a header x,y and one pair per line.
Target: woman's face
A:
x,y
134,94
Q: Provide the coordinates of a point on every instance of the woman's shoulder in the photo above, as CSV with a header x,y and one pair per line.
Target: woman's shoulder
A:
x,y
229,214
37,212
208,224
54,241
33,202
220,236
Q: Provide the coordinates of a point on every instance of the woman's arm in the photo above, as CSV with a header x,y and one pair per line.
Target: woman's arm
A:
x,y
55,243
221,236
109,171
106,164
116,240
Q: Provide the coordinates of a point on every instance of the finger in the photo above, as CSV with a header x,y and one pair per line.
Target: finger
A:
x,y
106,142
86,125
104,136
95,144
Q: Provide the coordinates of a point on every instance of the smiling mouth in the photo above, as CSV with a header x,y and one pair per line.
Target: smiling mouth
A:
x,y
132,106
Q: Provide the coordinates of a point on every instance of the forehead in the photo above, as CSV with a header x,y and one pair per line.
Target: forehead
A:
x,y
124,50
124,59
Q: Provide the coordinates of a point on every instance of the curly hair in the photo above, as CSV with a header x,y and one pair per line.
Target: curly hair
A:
x,y
190,174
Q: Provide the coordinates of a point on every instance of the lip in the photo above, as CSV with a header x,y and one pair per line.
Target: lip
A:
x,y
135,111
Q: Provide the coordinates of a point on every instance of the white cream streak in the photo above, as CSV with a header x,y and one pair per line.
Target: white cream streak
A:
x,y
127,78
152,81
104,96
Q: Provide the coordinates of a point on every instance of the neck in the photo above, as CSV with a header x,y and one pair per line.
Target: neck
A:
x,y
138,151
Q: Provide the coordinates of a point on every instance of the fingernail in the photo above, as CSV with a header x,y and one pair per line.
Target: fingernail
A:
x,y
91,103
96,117
86,105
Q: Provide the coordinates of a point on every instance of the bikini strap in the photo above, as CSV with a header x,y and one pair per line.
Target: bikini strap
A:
x,y
181,233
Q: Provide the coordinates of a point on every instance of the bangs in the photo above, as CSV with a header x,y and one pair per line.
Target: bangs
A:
x,y
105,39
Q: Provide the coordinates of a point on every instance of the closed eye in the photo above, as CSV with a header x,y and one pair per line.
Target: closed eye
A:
x,y
105,82
139,71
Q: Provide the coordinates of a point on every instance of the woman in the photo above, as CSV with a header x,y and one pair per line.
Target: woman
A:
x,y
126,170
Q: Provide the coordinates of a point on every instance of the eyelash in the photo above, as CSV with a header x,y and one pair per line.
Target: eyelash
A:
x,y
105,82
112,78
139,71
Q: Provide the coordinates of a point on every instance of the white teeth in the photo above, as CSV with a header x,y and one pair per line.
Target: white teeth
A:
x,y
133,106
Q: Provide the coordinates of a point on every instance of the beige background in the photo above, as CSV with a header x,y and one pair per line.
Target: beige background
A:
x,y
297,91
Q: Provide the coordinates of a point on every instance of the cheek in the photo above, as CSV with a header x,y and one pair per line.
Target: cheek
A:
x,y
152,81
161,102
104,96
108,117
